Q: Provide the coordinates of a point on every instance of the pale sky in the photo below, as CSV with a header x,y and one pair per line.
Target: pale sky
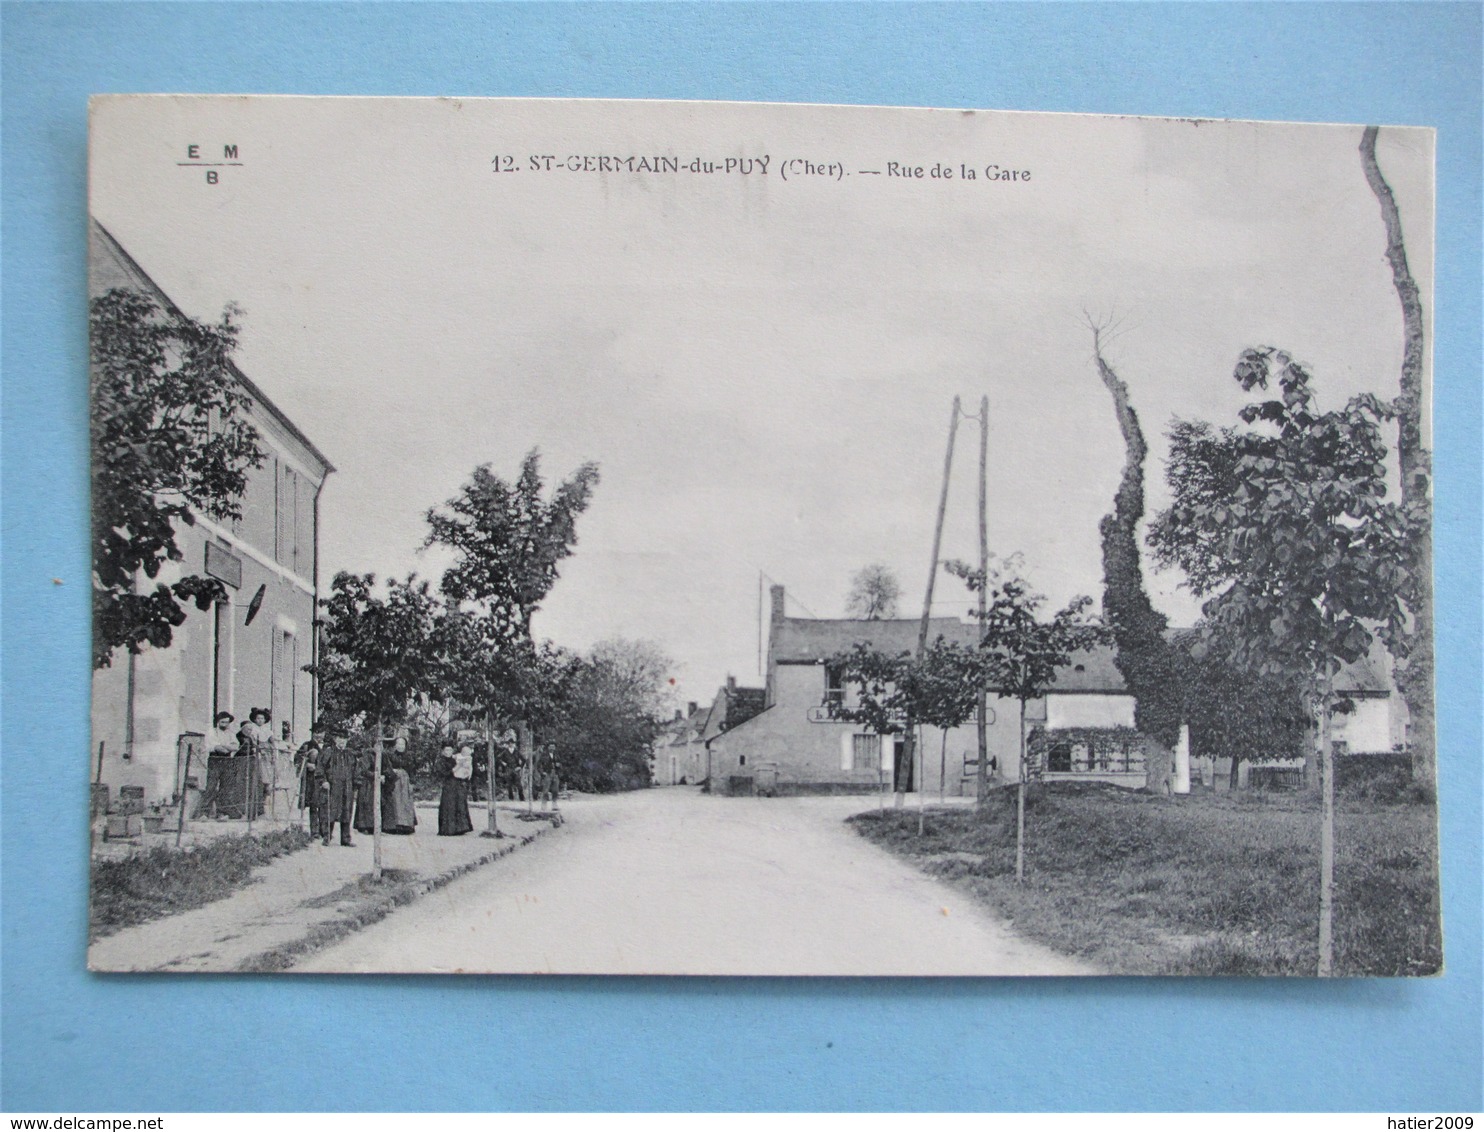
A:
x,y
762,367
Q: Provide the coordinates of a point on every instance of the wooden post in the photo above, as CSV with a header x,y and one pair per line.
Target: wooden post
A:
x,y
981,713
102,745
250,787
376,807
927,601
184,778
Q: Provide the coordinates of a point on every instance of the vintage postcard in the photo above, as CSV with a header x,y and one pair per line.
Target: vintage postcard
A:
x,y
728,539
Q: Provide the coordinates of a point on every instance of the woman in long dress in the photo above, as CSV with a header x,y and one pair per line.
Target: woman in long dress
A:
x,y
366,792
453,805
398,815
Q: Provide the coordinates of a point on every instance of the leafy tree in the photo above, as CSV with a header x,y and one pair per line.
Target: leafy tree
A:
x,y
1022,654
1285,526
1414,670
509,541
377,655
1151,667
610,709
1234,714
874,593
895,693
169,442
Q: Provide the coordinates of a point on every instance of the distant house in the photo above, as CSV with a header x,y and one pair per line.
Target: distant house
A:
x,y
794,745
679,754
248,651
1081,730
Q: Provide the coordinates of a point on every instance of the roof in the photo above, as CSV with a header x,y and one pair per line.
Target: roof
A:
x,y
679,732
732,707
258,396
798,640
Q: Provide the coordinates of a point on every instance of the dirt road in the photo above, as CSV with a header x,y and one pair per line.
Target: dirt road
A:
x,y
670,881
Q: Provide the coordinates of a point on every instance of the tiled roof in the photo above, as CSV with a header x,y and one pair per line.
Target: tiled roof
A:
x,y
731,708
798,640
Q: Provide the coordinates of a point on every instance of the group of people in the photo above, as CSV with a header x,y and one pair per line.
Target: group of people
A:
x,y
338,782
236,788
338,786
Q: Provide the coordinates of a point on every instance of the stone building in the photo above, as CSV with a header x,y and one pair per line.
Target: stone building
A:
x,y
246,652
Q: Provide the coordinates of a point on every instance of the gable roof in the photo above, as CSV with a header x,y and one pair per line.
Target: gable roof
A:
x,y
145,283
732,707
798,640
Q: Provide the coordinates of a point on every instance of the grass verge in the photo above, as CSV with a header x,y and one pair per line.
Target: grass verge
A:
x,y
164,880
1216,884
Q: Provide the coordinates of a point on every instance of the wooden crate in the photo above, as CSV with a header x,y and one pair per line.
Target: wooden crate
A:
x,y
123,826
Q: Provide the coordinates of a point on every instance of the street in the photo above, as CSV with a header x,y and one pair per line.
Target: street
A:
x,y
671,881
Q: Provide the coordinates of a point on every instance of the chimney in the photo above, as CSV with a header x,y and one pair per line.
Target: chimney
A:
x,y
776,593
731,683
690,708
678,716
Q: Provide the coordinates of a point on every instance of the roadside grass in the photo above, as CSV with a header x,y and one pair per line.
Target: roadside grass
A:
x,y
1215,884
164,880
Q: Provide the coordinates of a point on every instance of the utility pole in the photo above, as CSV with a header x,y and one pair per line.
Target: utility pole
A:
x,y
982,714
910,752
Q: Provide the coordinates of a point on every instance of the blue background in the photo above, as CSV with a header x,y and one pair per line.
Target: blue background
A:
x,y
75,1041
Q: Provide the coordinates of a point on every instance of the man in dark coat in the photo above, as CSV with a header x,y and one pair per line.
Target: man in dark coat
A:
x,y
313,792
338,769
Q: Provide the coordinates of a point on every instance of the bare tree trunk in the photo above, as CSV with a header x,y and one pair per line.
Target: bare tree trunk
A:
x,y
921,787
1415,672
1020,806
1326,831
492,823
943,768
376,806
981,711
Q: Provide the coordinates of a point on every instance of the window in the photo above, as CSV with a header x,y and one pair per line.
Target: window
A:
x,y
834,686
282,685
286,516
865,752
1059,758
